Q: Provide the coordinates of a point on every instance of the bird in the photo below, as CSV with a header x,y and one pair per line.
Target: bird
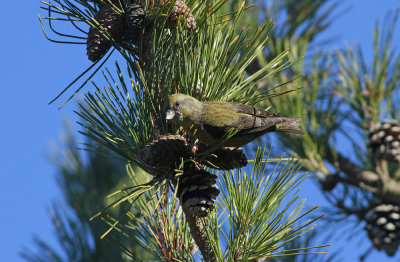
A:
x,y
211,122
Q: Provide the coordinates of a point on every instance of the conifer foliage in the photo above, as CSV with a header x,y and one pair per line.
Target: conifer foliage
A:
x,y
350,108
196,200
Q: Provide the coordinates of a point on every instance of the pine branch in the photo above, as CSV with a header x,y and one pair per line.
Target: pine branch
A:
x,y
199,234
381,184
127,116
353,171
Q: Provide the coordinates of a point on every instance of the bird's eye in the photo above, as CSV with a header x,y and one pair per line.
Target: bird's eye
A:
x,y
176,104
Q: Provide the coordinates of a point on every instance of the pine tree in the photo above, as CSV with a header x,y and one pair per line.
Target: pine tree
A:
x,y
344,100
178,207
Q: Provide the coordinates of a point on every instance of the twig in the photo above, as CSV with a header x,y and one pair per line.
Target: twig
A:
x,y
352,170
199,234
359,212
391,191
353,182
366,254
382,185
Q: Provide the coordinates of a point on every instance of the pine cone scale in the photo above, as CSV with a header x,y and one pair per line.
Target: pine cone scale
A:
x,y
181,13
166,151
384,140
97,45
197,191
383,227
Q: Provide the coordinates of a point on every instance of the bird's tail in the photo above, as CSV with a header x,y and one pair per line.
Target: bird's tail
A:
x,y
291,125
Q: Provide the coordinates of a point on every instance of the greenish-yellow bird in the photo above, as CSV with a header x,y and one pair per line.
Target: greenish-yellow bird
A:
x,y
211,121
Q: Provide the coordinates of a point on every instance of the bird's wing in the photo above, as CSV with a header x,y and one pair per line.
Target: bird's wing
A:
x,y
254,120
252,111
220,117
261,121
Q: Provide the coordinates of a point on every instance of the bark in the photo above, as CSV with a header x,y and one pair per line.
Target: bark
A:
x,y
381,184
199,234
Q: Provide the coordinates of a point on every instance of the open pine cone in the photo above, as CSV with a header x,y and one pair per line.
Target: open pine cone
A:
x,y
383,227
384,140
181,13
97,45
197,191
165,151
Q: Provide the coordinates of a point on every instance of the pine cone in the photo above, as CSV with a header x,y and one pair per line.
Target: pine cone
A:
x,y
97,45
197,192
165,151
134,17
223,158
181,12
383,227
384,140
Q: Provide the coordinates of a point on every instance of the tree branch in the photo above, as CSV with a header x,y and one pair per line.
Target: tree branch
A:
x,y
353,182
396,174
381,184
199,235
352,170
390,192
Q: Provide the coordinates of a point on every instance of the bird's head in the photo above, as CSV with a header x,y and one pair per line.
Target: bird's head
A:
x,y
183,107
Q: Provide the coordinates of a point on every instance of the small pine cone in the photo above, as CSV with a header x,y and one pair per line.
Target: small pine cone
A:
x,y
97,45
197,192
134,17
223,158
165,151
384,140
181,12
383,227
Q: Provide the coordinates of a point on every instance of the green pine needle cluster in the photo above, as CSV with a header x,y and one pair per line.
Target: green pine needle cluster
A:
x,y
237,230
127,111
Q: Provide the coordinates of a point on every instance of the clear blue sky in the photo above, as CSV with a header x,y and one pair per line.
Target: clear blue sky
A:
x,y
33,71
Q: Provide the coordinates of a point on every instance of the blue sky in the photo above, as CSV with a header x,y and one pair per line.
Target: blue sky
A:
x,y
33,70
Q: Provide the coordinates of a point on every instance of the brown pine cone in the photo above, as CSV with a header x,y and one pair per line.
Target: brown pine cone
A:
x,y
197,191
97,45
223,158
165,151
181,12
135,17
